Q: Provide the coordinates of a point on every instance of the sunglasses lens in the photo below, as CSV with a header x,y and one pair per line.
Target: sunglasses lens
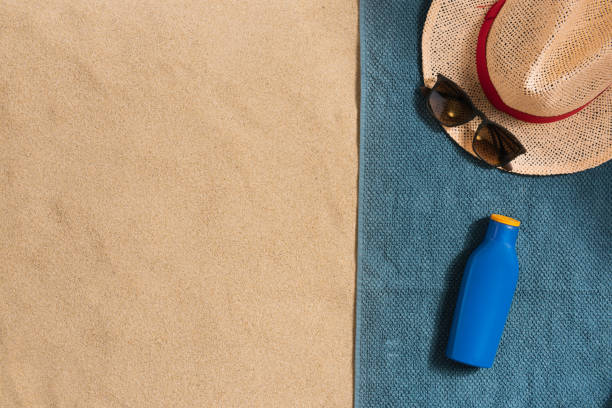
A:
x,y
449,104
495,145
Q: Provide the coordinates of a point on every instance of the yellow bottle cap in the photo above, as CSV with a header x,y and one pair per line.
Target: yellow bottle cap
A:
x,y
505,220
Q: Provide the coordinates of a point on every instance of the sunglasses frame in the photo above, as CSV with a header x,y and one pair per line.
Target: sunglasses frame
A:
x,y
475,113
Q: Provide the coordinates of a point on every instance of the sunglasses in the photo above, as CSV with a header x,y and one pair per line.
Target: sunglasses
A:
x,y
451,106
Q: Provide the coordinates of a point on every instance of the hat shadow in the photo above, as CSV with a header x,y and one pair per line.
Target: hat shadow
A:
x,y
446,307
419,101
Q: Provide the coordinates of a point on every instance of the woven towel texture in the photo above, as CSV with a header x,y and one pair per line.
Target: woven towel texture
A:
x,y
423,207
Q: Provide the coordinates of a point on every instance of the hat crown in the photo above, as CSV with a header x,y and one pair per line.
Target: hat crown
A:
x,y
549,57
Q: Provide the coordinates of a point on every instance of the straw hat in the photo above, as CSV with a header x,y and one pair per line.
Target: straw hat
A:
x,y
540,68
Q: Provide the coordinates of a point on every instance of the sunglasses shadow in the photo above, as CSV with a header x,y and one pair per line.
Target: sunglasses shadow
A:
x,y
433,125
419,101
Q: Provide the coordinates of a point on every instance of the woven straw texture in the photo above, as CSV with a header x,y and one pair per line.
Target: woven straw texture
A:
x,y
547,62
553,59
423,204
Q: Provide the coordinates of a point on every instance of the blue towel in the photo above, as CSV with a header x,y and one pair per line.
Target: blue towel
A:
x,y
423,204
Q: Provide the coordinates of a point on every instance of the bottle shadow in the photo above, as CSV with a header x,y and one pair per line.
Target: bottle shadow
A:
x,y
444,315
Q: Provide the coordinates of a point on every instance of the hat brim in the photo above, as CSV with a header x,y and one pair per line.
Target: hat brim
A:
x,y
579,142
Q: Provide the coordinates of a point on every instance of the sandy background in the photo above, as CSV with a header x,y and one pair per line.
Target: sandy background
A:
x,y
178,197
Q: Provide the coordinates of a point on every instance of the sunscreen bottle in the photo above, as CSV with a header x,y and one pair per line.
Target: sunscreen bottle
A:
x,y
485,296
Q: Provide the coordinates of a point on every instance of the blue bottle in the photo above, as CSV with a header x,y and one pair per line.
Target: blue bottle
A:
x,y
485,296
